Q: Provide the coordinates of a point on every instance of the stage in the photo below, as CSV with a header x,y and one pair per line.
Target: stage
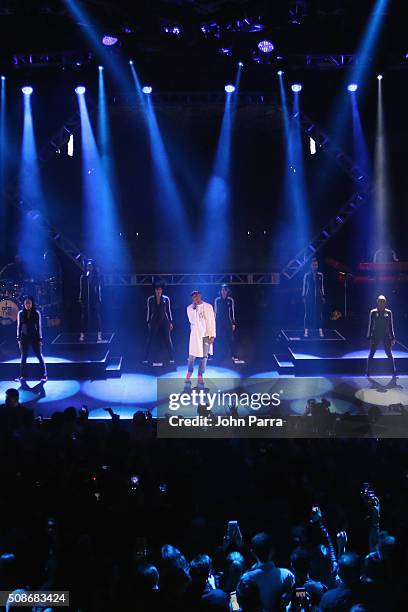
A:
x,y
350,397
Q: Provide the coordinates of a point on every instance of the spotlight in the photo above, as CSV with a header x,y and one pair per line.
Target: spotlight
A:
x,y
229,88
147,89
224,50
296,87
171,28
3,78
131,62
27,90
109,40
100,67
266,46
80,89
352,87
240,64
280,72
380,77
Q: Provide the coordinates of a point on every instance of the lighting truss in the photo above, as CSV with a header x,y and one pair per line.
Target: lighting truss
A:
x,y
56,58
325,234
322,61
363,188
53,146
230,278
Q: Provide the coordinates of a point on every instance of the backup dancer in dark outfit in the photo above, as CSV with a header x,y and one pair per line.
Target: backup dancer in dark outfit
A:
x,y
381,330
159,322
313,297
224,310
29,333
90,298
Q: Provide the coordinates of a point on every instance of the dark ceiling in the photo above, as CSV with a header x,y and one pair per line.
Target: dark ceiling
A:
x,y
196,26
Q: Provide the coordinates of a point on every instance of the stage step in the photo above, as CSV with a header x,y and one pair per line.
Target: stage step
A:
x,y
114,367
284,365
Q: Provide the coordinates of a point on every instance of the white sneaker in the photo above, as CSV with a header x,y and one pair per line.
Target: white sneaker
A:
x,y
81,337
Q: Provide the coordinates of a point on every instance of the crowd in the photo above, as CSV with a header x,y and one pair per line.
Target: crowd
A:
x,y
125,521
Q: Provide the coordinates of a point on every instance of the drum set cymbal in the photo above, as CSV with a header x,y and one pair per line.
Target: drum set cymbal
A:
x,y
45,292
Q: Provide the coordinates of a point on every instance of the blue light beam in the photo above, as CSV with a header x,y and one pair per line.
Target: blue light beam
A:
x,y
172,214
216,243
31,241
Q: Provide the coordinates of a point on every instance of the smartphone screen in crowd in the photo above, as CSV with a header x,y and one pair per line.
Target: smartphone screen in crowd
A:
x,y
234,605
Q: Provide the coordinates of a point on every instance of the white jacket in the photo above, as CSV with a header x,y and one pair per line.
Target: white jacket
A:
x,y
202,324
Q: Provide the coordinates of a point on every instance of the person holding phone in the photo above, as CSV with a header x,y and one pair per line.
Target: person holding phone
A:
x,y
29,334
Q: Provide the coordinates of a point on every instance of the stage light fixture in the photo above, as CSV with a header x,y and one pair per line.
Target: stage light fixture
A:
x,y
131,62
3,78
109,40
27,90
100,67
147,89
171,28
296,87
352,87
80,89
240,64
266,46
229,88
280,72
380,77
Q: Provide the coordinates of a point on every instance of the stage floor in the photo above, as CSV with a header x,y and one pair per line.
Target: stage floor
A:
x,y
138,390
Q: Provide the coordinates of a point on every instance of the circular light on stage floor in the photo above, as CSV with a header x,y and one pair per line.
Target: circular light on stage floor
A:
x,y
289,388
129,389
381,393
51,391
211,372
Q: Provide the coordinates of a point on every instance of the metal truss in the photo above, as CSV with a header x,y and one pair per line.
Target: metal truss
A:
x,y
196,279
52,147
319,61
72,251
197,98
363,188
326,233
56,58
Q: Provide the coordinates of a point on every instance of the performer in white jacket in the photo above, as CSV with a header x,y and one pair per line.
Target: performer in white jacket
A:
x,y
202,323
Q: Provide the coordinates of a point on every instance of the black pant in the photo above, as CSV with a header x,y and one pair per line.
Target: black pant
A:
x,y
386,342
91,314
159,329
313,313
226,342
25,344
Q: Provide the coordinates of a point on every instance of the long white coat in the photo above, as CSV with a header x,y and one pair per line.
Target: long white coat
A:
x,y
202,324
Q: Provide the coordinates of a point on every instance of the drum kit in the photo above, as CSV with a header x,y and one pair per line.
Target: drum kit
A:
x,y
45,293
